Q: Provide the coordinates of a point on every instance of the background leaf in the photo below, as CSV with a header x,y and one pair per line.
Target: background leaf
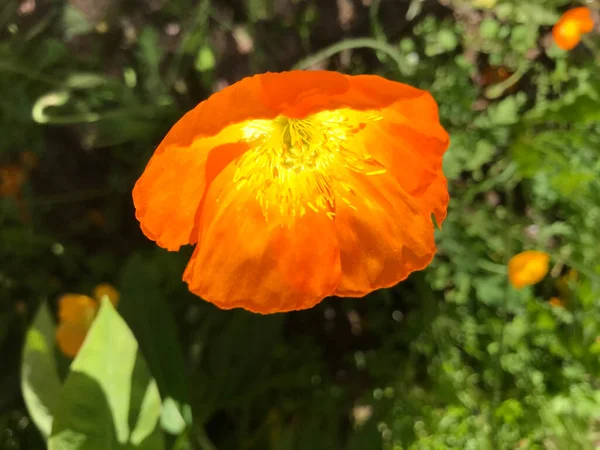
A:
x,y
109,399
152,323
39,375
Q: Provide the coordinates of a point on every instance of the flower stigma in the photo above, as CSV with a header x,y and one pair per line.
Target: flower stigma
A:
x,y
296,165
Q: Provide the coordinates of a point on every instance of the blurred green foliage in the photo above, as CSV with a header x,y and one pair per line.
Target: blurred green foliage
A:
x,y
453,358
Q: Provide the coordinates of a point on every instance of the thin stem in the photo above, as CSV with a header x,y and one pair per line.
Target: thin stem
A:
x,y
200,20
503,317
591,45
203,440
349,44
498,89
376,27
70,197
8,67
182,441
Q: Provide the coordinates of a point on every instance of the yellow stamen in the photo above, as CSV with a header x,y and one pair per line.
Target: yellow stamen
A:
x,y
293,164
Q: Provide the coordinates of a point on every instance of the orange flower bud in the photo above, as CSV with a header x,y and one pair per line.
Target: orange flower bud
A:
x,y
108,290
527,268
556,302
571,25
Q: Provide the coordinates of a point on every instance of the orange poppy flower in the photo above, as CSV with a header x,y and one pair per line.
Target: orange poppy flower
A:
x,y
528,268
76,313
571,25
296,186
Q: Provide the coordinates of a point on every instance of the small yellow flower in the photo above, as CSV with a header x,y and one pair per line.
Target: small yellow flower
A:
x,y
528,268
76,313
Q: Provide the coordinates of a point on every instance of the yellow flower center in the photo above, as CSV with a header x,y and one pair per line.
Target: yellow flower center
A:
x,y
295,164
570,29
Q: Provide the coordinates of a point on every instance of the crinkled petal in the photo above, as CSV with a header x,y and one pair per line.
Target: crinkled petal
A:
x,y
582,16
244,260
383,234
168,195
415,160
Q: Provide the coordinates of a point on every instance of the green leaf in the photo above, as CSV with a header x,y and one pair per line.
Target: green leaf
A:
x,y
40,383
205,60
83,80
152,323
505,112
109,399
75,22
150,54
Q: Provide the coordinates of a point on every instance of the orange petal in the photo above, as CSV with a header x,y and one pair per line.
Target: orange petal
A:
x,y
582,16
297,93
244,260
77,309
70,338
566,35
415,160
528,268
108,290
168,194
383,235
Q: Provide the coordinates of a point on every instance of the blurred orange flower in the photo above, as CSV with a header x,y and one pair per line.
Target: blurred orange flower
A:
x,y
556,302
565,283
108,290
299,185
12,178
527,268
76,313
571,25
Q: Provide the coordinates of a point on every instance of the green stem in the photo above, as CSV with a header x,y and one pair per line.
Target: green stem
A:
x,y
182,442
70,197
503,317
203,440
349,44
591,45
498,89
8,67
200,20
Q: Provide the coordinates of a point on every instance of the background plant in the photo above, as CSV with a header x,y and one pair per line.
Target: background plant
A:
x,y
451,358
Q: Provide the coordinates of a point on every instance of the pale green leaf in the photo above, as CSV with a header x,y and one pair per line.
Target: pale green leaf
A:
x,y
109,399
40,383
